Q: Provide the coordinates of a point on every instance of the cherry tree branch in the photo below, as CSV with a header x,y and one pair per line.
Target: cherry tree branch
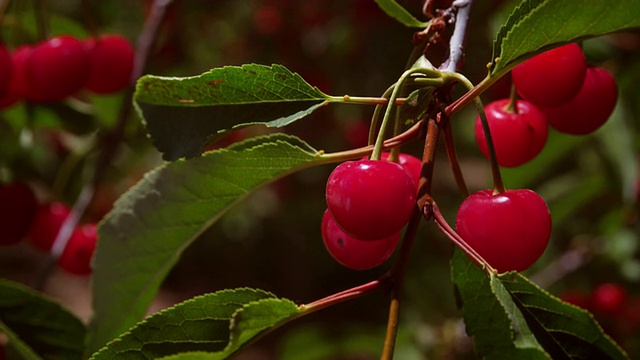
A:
x,y
456,43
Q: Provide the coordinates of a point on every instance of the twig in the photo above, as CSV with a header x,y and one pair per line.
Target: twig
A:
x,y
456,43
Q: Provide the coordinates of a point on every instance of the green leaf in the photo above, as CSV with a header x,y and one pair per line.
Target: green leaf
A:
x,y
399,13
509,317
496,324
152,224
536,25
38,327
183,115
563,329
214,325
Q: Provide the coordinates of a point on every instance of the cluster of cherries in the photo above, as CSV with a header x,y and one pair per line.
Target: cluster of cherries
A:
x,y
23,217
557,88
368,204
61,66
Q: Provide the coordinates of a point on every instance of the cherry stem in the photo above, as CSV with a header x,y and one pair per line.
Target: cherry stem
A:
x,y
89,18
498,184
376,115
432,210
512,105
363,100
42,16
452,156
377,149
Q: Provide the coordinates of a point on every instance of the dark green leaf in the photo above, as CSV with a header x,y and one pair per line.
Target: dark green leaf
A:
x,y
536,25
566,329
417,104
152,224
496,324
183,115
393,9
37,325
216,325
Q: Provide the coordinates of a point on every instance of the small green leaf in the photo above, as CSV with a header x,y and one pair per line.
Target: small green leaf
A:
x,y
561,327
496,324
214,325
417,104
38,327
183,115
396,11
536,25
153,223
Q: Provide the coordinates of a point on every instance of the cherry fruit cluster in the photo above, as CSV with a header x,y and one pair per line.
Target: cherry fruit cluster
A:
x,y
558,88
22,217
61,66
368,204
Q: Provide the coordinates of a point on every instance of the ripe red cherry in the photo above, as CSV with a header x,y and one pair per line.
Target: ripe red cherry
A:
x,y
517,136
588,110
608,298
411,164
47,223
552,77
6,68
76,257
18,206
353,253
370,199
57,67
111,60
509,230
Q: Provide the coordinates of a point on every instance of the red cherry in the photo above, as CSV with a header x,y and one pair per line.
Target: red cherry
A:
x,y
608,298
76,257
111,59
18,86
411,164
517,136
552,77
18,206
6,68
509,230
47,223
353,253
370,199
57,67
588,110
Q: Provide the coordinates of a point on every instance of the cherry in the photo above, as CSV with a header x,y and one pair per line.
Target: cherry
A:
x,y
517,136
608,298
552,77
47,223
18,206
6,68
57,67
18,87
353,253
411,164
76,257
370,199
509,230
588,110
111,59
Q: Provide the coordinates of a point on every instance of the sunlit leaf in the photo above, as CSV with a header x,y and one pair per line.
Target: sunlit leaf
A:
x,y
396,11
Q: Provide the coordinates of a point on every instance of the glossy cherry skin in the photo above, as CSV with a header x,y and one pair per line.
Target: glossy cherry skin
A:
x,y
111,59
588,110
57,68
47,223
552,77
411,164
18,206
370,199
509,230
19,87
517,136
608,298
76,257
353,253
6,68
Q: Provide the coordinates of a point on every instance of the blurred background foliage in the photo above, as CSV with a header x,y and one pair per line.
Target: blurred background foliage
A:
x,y
272,240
